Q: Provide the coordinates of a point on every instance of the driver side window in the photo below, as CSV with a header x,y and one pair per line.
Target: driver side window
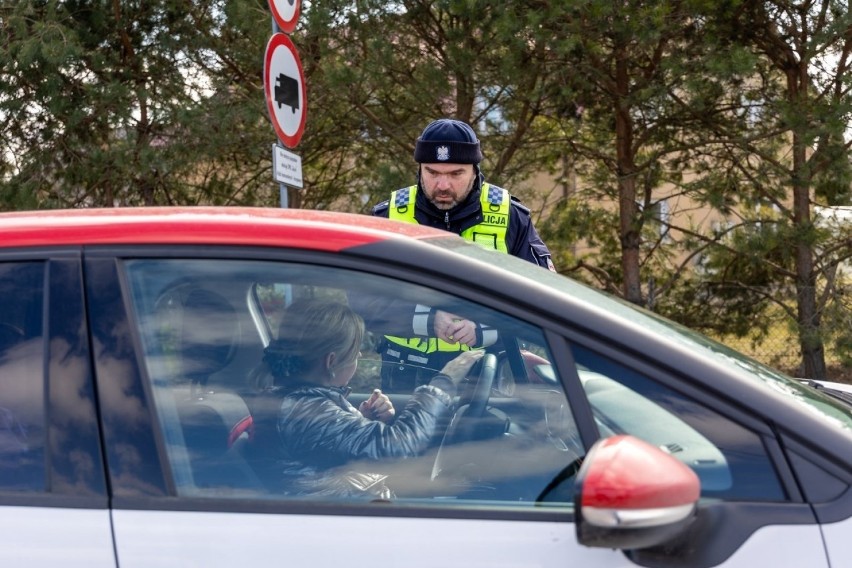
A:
x,y
274,380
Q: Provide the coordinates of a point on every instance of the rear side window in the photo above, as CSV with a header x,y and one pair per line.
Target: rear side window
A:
x,y
22,393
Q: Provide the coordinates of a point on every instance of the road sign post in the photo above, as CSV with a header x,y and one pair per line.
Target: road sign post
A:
x,y
284,90
285,14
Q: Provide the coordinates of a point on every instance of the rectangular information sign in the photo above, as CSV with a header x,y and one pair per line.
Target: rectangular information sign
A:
x,y
286,167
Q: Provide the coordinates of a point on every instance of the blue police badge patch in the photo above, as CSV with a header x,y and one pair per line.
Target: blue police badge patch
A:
x,y
550,265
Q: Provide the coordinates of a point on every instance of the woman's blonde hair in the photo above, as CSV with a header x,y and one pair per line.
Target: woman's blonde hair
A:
x,y
311,329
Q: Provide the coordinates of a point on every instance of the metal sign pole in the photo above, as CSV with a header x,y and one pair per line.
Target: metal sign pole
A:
x,y
284,87
283,197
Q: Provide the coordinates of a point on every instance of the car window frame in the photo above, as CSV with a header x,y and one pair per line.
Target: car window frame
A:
x,y
168,500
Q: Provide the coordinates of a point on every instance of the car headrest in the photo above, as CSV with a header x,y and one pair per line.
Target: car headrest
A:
x,y
209,334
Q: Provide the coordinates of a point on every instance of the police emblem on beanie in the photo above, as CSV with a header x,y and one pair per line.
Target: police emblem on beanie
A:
x,y
447,140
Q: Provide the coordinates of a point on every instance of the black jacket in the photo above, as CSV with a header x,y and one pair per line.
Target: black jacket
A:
x,y
522,239
324,441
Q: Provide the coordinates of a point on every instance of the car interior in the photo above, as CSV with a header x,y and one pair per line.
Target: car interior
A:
x,y
204,335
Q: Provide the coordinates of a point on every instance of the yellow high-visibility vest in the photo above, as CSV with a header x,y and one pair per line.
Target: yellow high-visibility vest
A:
x,y
490,233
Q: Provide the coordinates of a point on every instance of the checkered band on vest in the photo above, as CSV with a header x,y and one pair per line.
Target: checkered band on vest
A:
x,y
403,197
495,195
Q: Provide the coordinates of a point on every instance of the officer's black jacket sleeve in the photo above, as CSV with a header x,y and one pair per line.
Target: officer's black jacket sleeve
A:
x,y
523,239
381,209
384,316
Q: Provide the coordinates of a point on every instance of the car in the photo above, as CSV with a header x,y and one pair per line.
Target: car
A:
x,y
843,391
592,433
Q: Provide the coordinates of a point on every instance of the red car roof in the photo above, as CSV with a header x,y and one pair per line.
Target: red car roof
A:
x,y
302,228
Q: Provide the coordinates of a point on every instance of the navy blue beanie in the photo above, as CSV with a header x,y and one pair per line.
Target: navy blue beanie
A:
x,y
447,140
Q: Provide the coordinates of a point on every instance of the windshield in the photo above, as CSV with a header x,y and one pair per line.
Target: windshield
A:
x,y
831,408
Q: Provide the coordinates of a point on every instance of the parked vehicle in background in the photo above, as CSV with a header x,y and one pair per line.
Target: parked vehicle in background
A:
x,y
593,434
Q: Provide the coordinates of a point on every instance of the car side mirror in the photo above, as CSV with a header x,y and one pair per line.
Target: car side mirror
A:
x,y
630,494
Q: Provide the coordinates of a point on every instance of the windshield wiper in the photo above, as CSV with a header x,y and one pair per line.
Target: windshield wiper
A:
x,y
834,393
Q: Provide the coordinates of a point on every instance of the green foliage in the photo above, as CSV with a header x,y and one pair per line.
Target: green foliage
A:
x,y
833,183
380,72
128,106
707,106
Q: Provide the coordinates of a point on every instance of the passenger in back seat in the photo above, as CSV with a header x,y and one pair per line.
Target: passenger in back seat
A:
x,y
318,430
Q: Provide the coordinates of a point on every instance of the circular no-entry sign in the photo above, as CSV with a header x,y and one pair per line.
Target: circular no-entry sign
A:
x,y
285,13
284,87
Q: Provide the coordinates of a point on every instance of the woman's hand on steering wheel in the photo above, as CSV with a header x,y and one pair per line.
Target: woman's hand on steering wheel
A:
x,y
458,368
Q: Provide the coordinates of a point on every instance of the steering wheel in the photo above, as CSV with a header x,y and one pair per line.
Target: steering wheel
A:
x,y
478,396
461,426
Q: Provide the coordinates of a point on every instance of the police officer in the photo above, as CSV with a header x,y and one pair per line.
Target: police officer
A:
x,y
451,194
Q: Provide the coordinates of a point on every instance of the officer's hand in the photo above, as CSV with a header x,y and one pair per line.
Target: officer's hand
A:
x,y
454,329
458,368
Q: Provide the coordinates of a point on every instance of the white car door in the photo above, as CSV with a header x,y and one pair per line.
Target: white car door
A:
x,y
154,539
497,491
56,536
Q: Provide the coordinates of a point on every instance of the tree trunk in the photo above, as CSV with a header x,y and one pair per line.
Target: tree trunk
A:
x,y
807,312
629,228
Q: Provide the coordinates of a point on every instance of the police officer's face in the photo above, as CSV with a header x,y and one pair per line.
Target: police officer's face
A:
x,y
447,185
